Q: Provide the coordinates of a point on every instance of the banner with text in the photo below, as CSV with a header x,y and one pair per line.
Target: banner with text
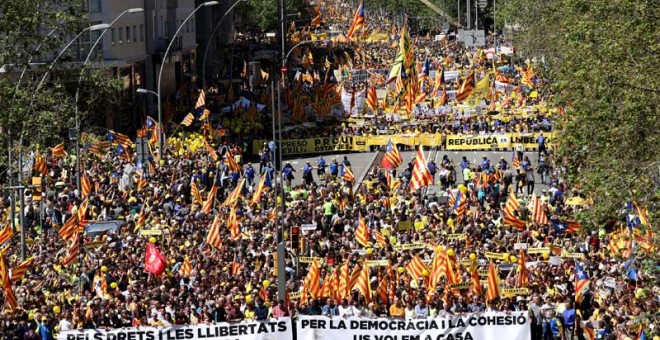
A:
x,y
267,330
478,142
485,326
363,143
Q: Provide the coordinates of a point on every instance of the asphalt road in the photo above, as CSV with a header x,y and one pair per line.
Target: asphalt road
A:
x,y
361,161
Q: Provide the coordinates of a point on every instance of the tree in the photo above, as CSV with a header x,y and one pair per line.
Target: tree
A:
x,y
601,58
33,33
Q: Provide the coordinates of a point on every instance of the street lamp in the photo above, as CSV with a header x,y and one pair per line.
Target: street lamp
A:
x,y
145,91
30,105
162,65
208,44
82,72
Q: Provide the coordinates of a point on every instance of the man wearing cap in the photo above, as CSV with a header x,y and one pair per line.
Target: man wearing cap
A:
x,y
45,329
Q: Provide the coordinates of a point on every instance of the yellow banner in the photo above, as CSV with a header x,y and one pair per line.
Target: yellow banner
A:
x,y
538,250
151,232
515,291
303,259
529,140
477,142
464,285
456,236
573,255
363,143
494,256
409,246
377,263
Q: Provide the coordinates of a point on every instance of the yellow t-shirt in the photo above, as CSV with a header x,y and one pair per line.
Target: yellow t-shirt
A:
x,y
396,311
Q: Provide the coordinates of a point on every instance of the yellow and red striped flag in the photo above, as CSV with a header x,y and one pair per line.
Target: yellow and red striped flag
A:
x,y
493,291
475,288
201,100
205,115
188,119
421,176
362,284
186,267
19,271
312,280
347,174
235,194
232,222
362,234
522,280
40,163
438,267
235,266
58,151
119,138
416,268
344,279
231,162
194,192
260,189
372,98
358,21
382,291
211,150
466,88
73,251
69,228
316,21
538,214
4,271
210,198
85,185
6,233
213,237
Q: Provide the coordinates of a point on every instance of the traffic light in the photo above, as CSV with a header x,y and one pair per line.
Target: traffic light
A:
x,y
295,238
36,190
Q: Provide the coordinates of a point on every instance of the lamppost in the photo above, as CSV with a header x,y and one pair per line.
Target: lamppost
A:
x,y
11,140
162,66
281,249
208,44
82,72
34,96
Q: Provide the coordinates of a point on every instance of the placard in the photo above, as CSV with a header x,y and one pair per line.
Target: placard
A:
x,y
280,328
483,326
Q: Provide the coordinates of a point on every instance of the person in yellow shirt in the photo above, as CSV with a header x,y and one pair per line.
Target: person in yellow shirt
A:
x,y
397,310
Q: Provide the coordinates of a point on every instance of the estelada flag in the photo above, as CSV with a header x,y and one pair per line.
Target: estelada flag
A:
x,y
154,261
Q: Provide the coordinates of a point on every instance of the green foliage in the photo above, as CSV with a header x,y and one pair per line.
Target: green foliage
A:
x,y
25,26
263,13
602,60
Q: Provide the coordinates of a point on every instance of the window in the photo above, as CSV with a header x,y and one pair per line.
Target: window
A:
x,y
113,38
121,34
192,24
128,34
94,6
141,32
135,33
187,26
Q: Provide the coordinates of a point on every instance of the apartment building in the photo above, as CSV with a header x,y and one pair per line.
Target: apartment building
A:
x,y
135,45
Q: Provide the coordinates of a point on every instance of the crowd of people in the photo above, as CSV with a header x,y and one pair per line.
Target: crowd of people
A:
x,y
173,200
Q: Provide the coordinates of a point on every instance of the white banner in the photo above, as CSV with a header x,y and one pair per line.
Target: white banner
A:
x,y
267,330
484,326
353,101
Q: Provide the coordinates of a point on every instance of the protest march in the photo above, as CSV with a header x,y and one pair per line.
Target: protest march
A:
x,y
170,231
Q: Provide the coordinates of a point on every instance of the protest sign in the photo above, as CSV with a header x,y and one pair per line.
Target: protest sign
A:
x,y
267,330
486,326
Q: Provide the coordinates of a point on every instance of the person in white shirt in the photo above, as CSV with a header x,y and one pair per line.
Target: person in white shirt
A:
x,y
346,310
65,324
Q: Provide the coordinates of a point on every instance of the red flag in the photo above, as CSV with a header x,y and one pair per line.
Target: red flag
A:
x,y
154,261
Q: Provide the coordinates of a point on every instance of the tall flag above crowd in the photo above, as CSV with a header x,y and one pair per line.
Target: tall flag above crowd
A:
x,y
358,21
